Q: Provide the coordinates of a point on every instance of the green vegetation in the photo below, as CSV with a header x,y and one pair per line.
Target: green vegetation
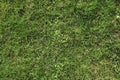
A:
x,y
59,40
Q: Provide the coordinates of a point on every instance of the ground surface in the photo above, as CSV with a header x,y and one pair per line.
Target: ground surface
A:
x,y
59,40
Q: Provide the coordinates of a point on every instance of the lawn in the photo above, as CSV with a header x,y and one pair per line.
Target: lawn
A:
x,y
59,39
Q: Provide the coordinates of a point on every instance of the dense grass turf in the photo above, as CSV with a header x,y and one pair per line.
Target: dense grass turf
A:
x,y
59,40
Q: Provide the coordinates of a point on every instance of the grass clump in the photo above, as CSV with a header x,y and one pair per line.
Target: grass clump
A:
x,y
59,40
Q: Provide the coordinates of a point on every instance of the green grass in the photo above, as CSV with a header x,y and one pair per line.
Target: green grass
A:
x,y
59,40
